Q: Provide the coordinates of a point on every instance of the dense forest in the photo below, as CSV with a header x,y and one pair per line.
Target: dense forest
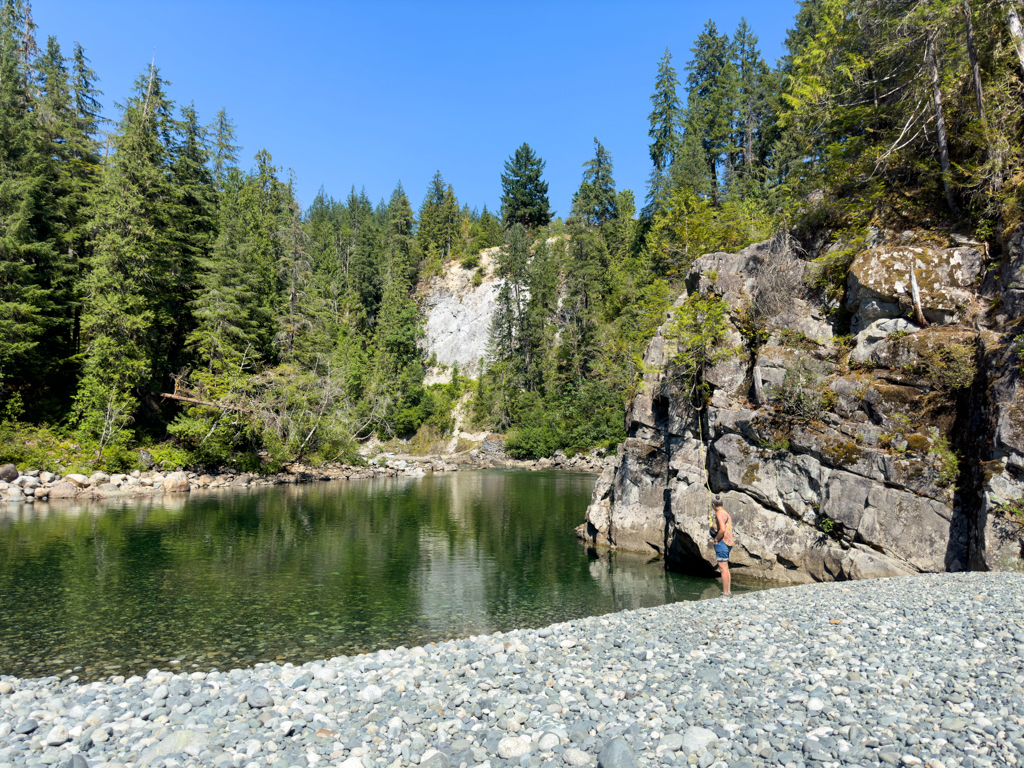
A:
x,y
154,292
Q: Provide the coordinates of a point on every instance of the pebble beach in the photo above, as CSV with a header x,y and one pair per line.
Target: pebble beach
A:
x,y
918,671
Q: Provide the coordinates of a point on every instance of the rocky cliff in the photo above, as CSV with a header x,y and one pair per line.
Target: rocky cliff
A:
x,y
892,449
458,317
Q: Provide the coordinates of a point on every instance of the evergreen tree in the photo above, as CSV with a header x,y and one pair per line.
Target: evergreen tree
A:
x,y
594,201
262,207
194,225
508,327
664,131
129,268
524,195
488,231
711,99
28,229
224,155
439,220
398,237
87,105
586,275
225,340
752,116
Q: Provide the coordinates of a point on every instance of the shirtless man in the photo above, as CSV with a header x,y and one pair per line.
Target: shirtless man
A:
x,y
723,543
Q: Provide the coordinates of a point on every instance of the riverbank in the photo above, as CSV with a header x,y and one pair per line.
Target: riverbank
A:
x,y
924,670
30,486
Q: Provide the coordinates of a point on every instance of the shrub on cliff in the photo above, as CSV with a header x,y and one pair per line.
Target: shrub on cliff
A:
x,y
699,330
804,392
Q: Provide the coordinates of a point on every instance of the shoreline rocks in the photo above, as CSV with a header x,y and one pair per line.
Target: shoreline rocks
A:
x,y
926,671
33,486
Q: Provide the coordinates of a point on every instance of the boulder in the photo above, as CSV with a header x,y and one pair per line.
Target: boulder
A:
x,y
146,459
880,279
98,478
80,480
14,495
8,473
176,482
64,490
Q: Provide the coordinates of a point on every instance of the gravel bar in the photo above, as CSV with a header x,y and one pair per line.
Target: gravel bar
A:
x,y
925,670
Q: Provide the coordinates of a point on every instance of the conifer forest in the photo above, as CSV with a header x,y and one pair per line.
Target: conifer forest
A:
x,y
162,288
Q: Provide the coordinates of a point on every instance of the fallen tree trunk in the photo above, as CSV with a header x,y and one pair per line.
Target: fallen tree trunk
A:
x,y
194,401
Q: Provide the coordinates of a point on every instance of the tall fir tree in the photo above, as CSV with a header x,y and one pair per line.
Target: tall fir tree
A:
x,y
594,202
29,229
224,153
129,269
664,129
711,99
753,117
524,194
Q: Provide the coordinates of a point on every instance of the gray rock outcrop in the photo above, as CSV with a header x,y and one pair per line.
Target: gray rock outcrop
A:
x,y
883,454
458,318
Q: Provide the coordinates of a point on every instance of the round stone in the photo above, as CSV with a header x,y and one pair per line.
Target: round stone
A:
x,y
371,694
58,735
259,697
548,742
512,747
575,757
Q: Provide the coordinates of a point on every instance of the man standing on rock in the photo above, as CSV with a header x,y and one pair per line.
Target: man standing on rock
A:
x,y
722,531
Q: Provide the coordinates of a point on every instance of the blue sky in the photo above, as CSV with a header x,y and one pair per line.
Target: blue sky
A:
x,y
372,93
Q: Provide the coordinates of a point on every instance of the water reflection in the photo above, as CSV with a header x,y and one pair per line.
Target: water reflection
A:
x,y
294,573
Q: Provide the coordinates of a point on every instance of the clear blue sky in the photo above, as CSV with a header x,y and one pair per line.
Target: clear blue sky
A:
x,y
372,92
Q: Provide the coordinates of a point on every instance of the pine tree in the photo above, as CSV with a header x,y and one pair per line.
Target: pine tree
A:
x,y
752,115
30,305
87,105
594,202
398,237
508,327
225,339
449,220
664,131
711,87
129,268
224,155
524,195
193,219
262,206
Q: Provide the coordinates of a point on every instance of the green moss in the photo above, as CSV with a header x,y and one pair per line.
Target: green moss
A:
x,y
918,443
842,453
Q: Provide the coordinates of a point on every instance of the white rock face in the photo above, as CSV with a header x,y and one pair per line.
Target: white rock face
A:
x,y
459,318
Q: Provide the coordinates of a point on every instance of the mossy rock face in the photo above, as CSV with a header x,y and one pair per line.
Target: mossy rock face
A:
x,y
946,278
841,453
918,443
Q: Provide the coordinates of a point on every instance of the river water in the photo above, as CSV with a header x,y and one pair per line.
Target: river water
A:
x,y
297,573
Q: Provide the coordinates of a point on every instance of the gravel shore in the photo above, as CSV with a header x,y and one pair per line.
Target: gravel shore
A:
x,y
925,670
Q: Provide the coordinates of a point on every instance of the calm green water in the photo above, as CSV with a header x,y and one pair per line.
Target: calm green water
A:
x,y
297,573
